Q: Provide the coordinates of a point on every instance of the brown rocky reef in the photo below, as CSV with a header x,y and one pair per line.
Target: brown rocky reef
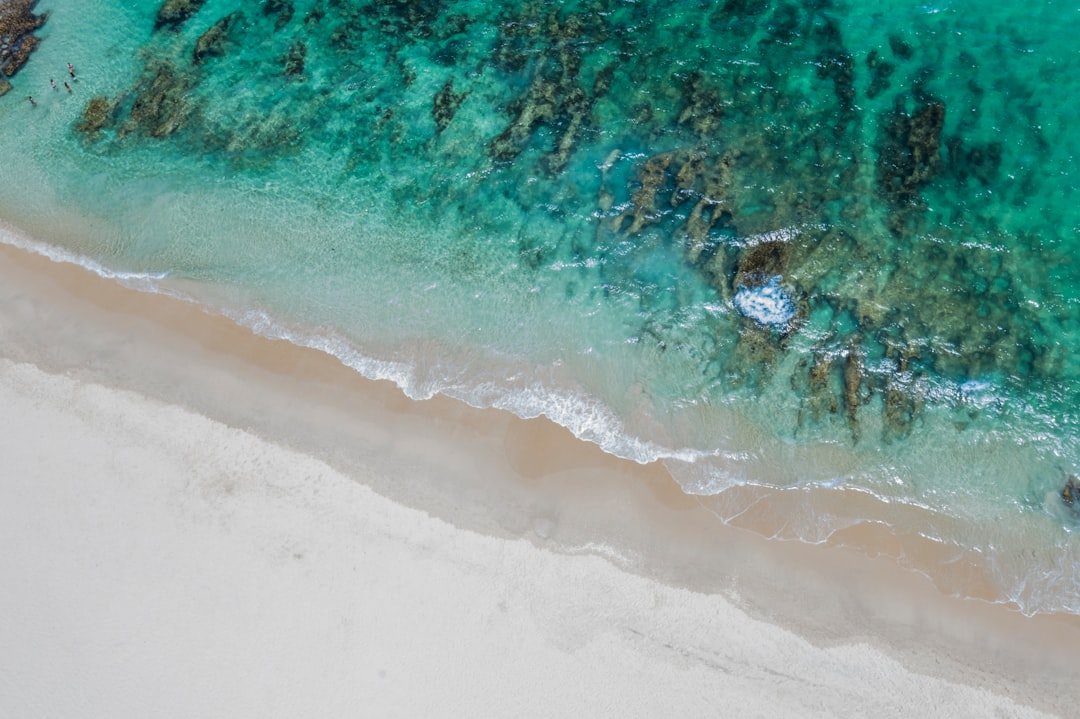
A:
x,y
17,41
96,116
1070,494
555,97
293,60
160,104
760,262
216,40
695,174
910,153
174,13
446,104
281,10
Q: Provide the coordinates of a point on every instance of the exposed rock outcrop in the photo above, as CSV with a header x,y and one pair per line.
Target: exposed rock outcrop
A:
x,y
17,41
761,262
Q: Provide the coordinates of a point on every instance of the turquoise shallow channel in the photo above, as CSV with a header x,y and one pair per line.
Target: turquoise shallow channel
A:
x,y
818,250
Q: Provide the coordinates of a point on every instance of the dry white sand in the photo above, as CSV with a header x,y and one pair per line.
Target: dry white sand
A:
x,y
157,562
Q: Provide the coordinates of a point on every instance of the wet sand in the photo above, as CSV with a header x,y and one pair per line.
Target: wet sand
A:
x,y
201,521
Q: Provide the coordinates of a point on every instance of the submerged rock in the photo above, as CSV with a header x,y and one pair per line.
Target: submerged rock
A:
x,y
281,10
880,72
446,104
980,161
538,106
703,106
711,182
1070,495
853,382
294,58
820,398
175,13
96,116
17,23
161,105
910,155
5,87
555,98
643,210
215,41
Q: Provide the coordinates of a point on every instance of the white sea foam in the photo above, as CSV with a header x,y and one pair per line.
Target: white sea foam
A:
x,y
769,304
145,281
1049,586
586,417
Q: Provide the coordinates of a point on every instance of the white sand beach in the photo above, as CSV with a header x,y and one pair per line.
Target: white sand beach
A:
x,y
198,522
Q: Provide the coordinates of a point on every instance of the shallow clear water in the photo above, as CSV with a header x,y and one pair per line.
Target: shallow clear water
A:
x,y
815,247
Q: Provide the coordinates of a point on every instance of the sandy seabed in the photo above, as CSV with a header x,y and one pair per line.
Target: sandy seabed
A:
x,y
199,522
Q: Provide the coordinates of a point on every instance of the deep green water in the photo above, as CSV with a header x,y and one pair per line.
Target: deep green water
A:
x,y
570,208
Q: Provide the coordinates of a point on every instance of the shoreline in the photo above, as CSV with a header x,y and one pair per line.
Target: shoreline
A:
x,y
491,474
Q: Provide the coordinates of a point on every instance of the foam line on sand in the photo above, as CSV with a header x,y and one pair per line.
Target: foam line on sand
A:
x,y
201,522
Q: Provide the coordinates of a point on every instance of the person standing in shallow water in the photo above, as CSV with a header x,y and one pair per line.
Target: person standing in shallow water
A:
x,y
71,70
33,102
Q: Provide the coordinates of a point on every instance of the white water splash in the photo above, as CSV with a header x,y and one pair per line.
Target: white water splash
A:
x,y
768,304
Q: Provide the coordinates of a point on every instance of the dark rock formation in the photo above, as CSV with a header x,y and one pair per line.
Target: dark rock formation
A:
x,y
703,107
710,180
880,72
281,10
445,105
814,383
853,382
96,116
576,111
215,41
294,58
17,42
5,87
680,176
903,399
900,48
745,8
161,105
760,262
315,15
910,154
979,162
1070,494
833,61
554,98
539,105
643,210
175,13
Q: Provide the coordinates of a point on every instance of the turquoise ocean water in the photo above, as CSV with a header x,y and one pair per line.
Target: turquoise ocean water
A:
x,y
818,252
